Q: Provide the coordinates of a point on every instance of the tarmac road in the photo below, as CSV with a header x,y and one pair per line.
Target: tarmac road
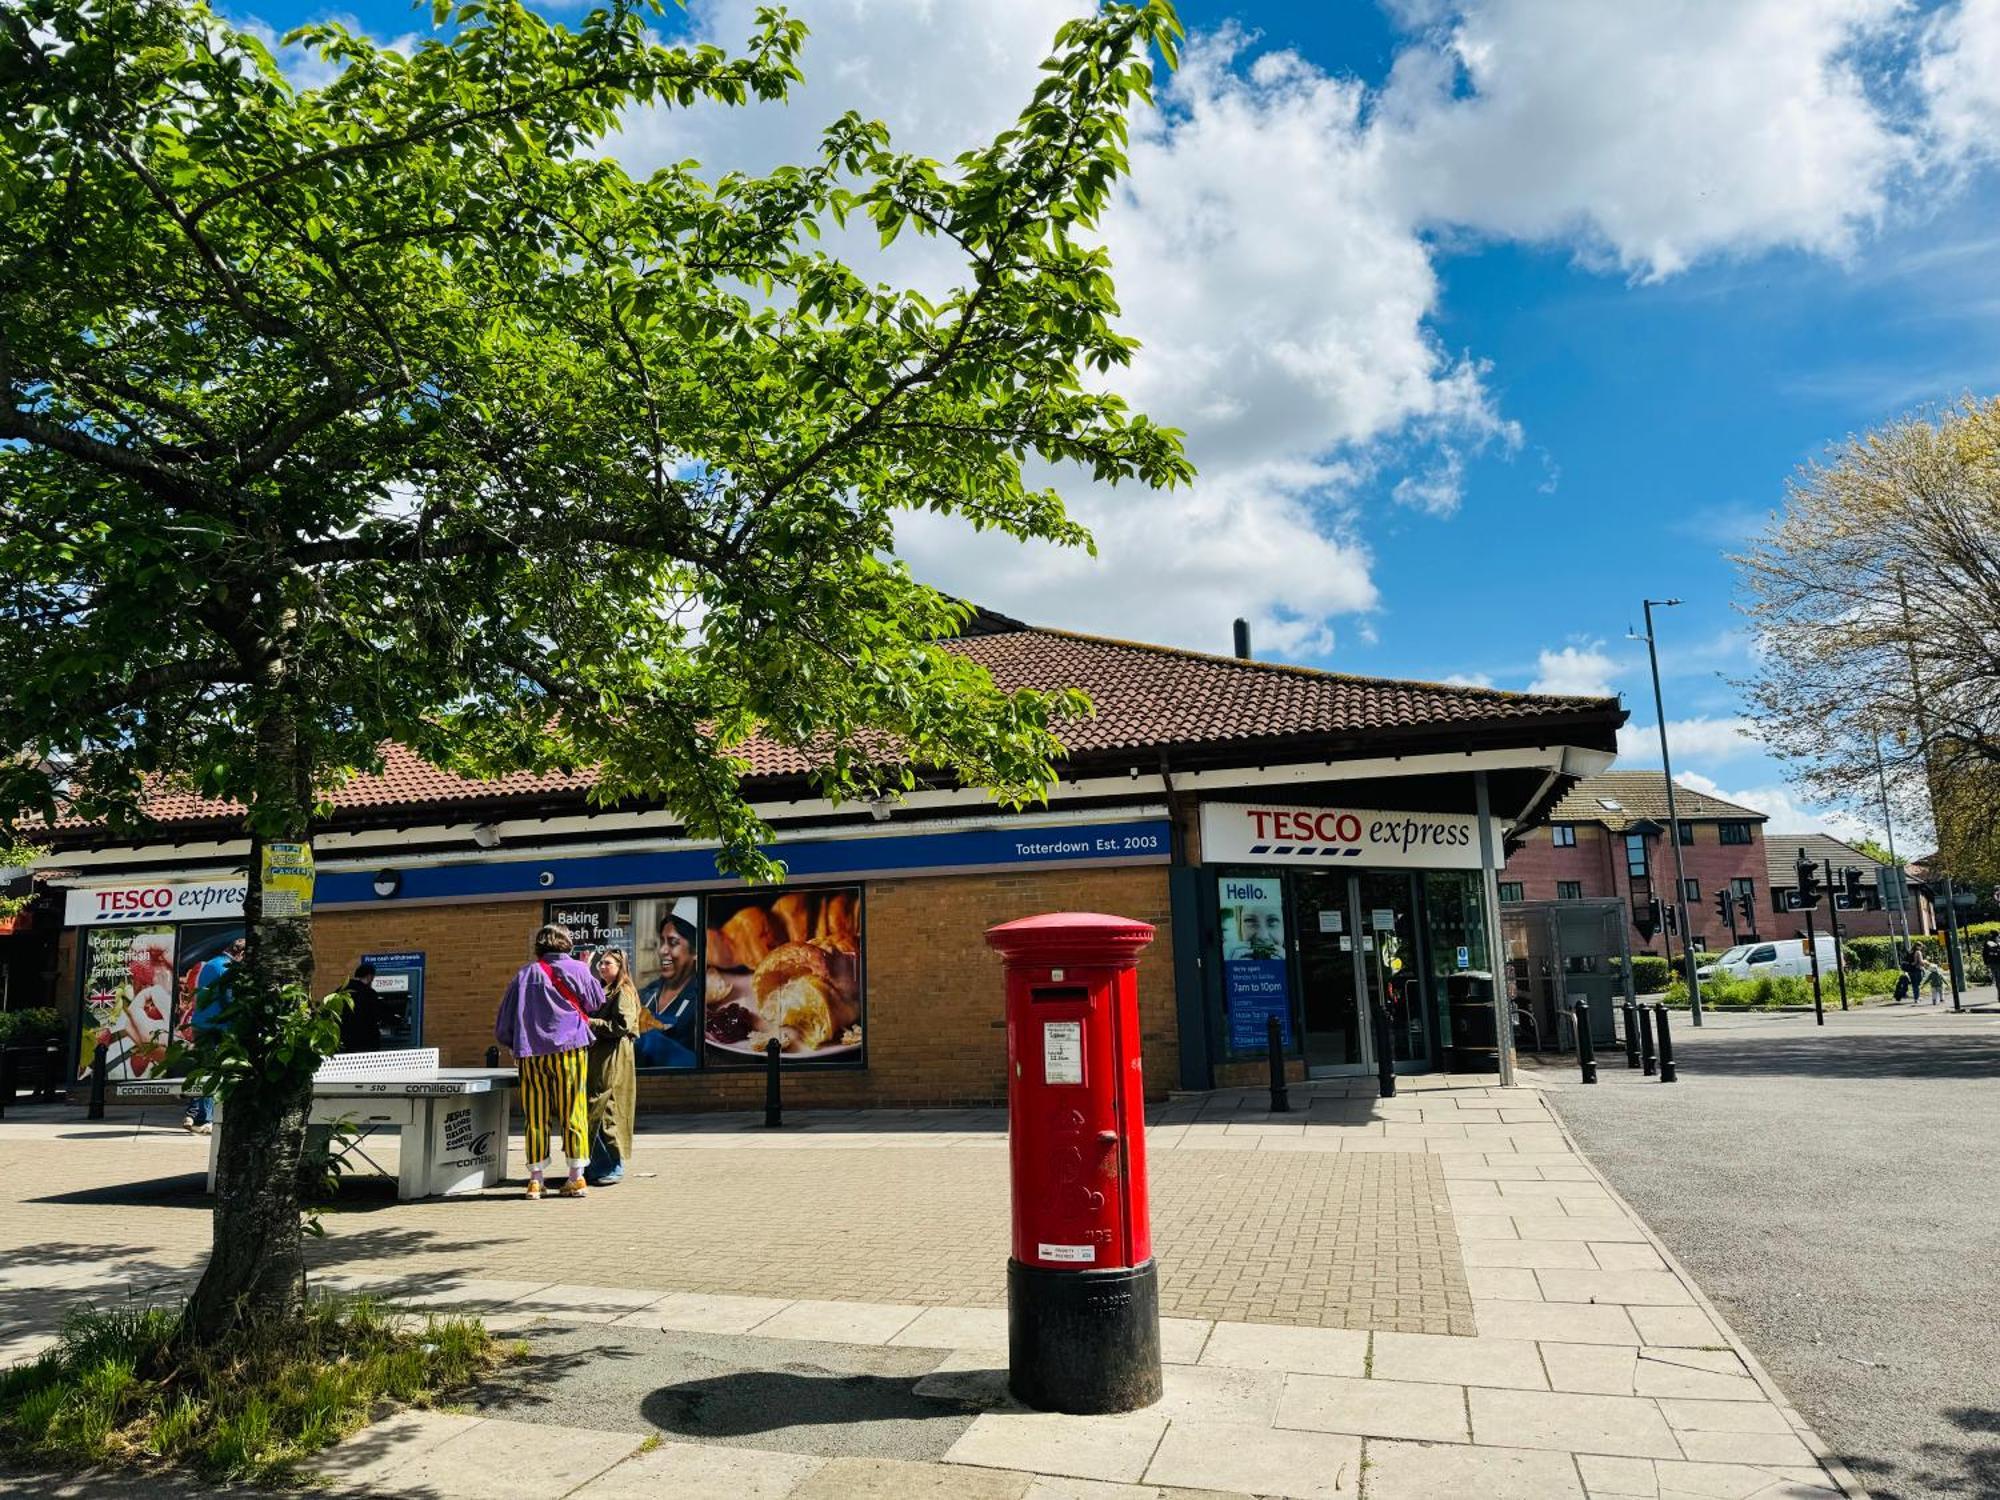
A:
x,y
1835,1191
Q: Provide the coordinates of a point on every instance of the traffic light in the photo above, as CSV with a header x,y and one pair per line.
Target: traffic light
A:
x,y
1748,907
1673,920
1647,918
1810,887
1722,908
1850,879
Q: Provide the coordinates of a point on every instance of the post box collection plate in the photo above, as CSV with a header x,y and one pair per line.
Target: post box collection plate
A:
x,y
1062,1052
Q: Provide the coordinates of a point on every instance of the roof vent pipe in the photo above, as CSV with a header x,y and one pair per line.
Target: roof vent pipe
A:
x,y
1243,639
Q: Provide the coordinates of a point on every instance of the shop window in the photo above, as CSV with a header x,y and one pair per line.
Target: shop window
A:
x,y
1735,833
1635,856
1510,890
1569,890
1563,835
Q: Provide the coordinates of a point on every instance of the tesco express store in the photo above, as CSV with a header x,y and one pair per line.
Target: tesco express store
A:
x,y
1308,845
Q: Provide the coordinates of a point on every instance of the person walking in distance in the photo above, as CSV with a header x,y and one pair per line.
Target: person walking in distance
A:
x,y
544,1021
213,988
1934,977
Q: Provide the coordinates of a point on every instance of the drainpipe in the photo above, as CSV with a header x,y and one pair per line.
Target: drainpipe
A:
x,y
1185,909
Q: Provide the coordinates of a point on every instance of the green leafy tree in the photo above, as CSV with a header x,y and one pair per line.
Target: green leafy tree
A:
x,y
390,410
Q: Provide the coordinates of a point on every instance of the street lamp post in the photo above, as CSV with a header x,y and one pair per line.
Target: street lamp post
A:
x,y
1673,817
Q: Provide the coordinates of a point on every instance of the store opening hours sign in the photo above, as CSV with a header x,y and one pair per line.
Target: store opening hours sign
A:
x,y
1339,836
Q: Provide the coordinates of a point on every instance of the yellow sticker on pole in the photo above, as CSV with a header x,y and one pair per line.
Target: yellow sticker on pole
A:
x,y
288,880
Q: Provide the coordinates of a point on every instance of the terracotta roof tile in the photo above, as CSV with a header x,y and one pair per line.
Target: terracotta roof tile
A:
x,y
1146,697
1640,796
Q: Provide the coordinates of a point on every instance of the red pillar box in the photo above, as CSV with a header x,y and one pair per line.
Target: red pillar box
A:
x,y
1083,1299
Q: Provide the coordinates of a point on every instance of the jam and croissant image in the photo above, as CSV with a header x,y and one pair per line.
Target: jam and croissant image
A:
x,y
788,967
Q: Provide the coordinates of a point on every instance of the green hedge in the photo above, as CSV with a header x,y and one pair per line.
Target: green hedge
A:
x,y
1767,990
1649,974
20,1028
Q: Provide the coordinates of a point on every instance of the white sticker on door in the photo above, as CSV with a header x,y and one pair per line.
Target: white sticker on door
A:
x,y
1062,1052
1329,921
1382,919
1085,1253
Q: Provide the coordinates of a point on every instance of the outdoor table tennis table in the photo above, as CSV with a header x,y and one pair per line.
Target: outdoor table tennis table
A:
x,y
451,1122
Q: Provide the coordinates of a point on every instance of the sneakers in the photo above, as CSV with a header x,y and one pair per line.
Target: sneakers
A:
x,y
534,1189
574,1188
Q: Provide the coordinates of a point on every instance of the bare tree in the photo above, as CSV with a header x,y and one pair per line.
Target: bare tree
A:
x,y
1875,596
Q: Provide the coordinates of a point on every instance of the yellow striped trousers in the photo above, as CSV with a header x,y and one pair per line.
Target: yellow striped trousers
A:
x,y
553,1095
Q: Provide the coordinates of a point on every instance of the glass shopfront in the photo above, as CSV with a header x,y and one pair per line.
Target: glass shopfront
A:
x,y
1324,945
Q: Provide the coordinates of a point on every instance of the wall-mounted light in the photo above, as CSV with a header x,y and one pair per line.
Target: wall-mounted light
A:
x,y
388,883
486,835
547,877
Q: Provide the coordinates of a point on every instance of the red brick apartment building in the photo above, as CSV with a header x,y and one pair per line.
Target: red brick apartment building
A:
x,y
1871,919
1607,837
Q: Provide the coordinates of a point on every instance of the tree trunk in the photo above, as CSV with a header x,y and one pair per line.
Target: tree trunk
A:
x,y
256,1267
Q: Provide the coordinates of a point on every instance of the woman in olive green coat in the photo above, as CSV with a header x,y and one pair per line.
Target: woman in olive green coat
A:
x,y
614,1083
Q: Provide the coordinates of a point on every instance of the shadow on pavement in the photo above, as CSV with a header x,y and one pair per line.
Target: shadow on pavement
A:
x,y
1839,1054
753,1403
1939,1469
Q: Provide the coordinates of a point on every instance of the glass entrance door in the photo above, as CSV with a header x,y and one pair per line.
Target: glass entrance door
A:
x,y
1391,965
1329,978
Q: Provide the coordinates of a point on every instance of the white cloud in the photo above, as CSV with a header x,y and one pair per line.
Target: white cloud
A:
x,y
1274,247
1468,679
1584,671
1702,739
1960,76
1652,134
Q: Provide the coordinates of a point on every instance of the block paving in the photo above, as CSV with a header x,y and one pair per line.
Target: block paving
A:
x,y
1591,1367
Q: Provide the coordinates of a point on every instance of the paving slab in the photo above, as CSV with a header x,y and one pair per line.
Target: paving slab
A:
x,y
1308,1351
982,1328
893,1479
839,1322
1624,1426
361,1462
698,1471
1556,1322
1441,1359
1627,1288
707,1312
1258,1461
1450,1471
1109,1447
1219,1393
1374,1408
502,1460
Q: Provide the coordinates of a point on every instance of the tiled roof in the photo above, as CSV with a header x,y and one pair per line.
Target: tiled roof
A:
x,y
1146,698
1641,796
1782,857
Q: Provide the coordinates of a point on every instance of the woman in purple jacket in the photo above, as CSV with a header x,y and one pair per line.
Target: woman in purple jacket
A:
x,y
544,1023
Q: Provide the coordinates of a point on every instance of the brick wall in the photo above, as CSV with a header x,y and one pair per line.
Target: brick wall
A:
x,y
936,1008
1597,863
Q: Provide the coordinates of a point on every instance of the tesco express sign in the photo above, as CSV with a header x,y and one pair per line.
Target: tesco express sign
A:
x,y
154,901
1339,836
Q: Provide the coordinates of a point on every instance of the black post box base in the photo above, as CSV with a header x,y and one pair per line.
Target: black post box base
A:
x,y
1084,1342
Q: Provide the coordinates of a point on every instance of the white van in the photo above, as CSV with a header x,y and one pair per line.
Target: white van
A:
x,y
1784,958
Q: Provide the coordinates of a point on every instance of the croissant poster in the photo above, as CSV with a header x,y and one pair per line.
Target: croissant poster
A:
x,y
720,976
785,965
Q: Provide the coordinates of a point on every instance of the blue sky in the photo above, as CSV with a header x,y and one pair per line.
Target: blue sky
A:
x,y
1486,318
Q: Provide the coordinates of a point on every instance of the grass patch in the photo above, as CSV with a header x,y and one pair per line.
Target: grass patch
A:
x,y
115,1389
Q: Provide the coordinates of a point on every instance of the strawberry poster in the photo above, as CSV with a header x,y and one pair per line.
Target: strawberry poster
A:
x,y
128,1000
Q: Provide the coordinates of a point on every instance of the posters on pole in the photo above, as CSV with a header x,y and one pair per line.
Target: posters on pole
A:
x,y
287,883
128,1001
1255,981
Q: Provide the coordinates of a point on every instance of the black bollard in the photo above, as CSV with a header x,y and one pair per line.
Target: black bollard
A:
x,y
1274,1048
1631,1033
1586,1050
773,1113
1667,1073
97,1072
1385,1053
6,1080
493,1057
1645,1042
